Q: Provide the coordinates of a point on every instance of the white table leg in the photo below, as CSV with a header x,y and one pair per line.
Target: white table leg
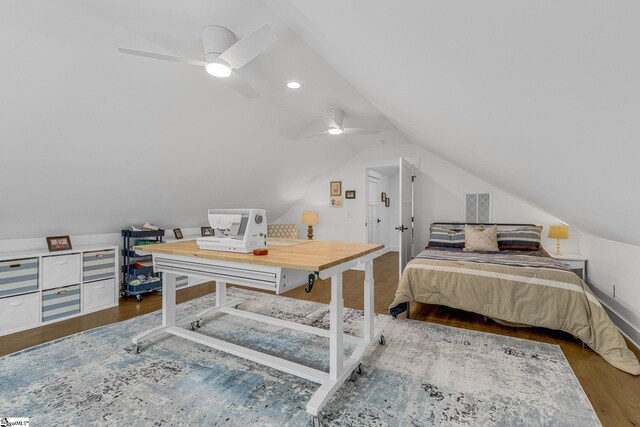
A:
x,y
168,300
368,301
221,293
336,339
168,311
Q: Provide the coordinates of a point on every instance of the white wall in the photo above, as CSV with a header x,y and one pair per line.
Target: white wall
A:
x,y
439,187
614,263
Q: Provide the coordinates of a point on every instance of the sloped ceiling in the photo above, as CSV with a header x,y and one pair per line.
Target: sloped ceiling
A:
x,y
92,140
541,98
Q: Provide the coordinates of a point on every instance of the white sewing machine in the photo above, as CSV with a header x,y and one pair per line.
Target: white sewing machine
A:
x,y
236,230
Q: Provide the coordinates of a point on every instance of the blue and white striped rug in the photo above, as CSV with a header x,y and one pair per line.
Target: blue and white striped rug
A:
x,y
426,375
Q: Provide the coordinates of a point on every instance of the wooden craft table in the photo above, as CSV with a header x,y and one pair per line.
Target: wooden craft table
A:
x,y
322,259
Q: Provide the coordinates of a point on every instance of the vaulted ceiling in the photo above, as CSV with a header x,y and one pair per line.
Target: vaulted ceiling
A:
x,y
93,140
541,98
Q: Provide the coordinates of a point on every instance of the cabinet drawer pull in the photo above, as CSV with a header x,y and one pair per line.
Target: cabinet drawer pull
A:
x,y
66,261
15,265
16,303
61,292
100,256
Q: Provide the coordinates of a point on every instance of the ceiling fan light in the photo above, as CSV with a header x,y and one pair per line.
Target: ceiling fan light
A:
x,y
294,85
335,131
218,69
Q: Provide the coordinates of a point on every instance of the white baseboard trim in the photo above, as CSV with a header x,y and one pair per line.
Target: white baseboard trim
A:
x,y
624,326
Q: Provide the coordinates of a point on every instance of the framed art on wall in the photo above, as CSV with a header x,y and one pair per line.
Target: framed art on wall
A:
x,y
387,202
178,233
206,231
336,188
335,201
350,194
383,197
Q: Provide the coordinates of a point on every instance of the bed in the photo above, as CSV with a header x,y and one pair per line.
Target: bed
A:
x,y
514,286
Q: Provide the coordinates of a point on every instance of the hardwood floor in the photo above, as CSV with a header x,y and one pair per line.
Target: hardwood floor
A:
x,y
614,394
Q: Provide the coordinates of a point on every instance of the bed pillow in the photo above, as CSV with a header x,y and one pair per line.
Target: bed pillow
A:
x,y
442,237
520,239
480,239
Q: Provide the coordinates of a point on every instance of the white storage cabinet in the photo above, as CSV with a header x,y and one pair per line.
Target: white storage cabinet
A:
x,y
40,287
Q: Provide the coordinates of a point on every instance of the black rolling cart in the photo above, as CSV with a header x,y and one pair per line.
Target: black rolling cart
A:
x,y
138,277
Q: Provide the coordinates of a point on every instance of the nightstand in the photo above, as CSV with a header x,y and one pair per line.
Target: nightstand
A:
x,y
575,262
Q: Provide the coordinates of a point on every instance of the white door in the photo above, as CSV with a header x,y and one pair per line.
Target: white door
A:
x,y
373,211
405,228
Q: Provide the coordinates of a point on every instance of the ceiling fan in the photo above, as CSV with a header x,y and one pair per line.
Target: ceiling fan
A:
x,y
223,54
334,120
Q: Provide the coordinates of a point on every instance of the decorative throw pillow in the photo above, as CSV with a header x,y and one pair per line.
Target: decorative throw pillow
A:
x,y
520,239
442,237
478,239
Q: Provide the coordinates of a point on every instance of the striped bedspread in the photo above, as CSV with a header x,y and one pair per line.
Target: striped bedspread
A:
x,y
524,287
527,259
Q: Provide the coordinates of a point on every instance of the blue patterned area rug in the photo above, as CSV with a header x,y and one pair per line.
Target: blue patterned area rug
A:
x,y
426,375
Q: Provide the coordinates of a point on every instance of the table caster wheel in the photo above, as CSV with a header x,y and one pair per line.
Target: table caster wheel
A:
x,y
139,298
316,422
123,294
353,376
360,369
382,341
198,325
193,326
135,349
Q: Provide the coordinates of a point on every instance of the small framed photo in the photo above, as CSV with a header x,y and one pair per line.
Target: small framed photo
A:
x,y
178,233
59,243
336,188
206,231
350,194
383,197
387,202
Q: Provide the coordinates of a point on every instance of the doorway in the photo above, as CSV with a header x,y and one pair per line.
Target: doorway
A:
x,y
389,207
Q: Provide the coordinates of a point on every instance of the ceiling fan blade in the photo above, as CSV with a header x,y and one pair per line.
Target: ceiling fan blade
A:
x,y
243,88
247,48
326,132
329,122
359,131
162,56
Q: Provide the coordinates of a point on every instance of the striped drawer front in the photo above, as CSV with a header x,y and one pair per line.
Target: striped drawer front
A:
x,y
61,302
182,281
18,276
98,265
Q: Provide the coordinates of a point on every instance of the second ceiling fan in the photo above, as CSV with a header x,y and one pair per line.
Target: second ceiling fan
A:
x,y
223,54
334,120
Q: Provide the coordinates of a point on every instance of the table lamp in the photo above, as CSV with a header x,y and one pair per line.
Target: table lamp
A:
x,y
558,232
310,218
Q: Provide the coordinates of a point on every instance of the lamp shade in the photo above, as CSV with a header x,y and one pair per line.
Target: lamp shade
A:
x,y
309,217
559,232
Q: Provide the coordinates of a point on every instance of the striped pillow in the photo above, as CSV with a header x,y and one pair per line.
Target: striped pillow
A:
x,y
520,239
442,237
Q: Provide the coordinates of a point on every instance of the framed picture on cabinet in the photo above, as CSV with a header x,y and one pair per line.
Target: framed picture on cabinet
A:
x,y
59,243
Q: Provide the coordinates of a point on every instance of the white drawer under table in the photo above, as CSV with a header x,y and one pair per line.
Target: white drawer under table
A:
x,y
321,259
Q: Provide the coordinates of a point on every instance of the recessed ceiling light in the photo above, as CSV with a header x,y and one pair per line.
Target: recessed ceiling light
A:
x,y
335,131
294,85
381,141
